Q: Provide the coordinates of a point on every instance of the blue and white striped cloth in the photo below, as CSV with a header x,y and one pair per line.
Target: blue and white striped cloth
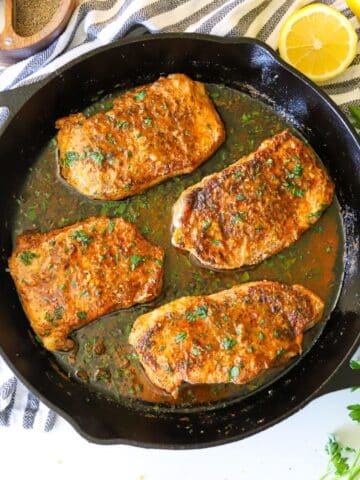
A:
x,y
99,22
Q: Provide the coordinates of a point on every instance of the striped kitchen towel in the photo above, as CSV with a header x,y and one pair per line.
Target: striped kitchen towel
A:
x,y
98,22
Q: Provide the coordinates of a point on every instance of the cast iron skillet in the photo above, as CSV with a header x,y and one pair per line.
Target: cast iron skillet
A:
x,y
240,63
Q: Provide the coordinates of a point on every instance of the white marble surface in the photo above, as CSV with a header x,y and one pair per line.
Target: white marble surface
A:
x,y
291,450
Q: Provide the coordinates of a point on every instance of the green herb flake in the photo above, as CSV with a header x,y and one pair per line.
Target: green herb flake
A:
x,y
28,257
81,315
195,352
140,95
228,343
328,249
180,337
59,312
70,158
97,156
215,95
240,197
206,224
238,174
111,226
239,217
82,237
135,261
314,214
122,124
234,372
269,161
148,121
216,242
261,336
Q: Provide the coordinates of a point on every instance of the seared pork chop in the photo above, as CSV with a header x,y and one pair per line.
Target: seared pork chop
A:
x,y
253,208
68,277
228,337
151,133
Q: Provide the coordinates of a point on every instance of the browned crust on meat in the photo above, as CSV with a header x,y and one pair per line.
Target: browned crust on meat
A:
x,y
253,208
70,276
251,327
151,133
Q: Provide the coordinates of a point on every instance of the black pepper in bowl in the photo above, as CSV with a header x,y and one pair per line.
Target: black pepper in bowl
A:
x,y
31,16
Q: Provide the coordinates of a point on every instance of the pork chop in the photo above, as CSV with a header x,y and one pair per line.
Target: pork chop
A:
x,y
68,277
228,337
151,133
253,208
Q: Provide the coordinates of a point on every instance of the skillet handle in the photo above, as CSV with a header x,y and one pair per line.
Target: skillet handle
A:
x,y
13,100
343,377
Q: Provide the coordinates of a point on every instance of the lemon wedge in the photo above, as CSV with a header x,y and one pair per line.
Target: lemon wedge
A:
x,y
354,6
319,41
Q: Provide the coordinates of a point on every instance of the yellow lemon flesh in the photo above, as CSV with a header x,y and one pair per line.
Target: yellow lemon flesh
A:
x,y
319,41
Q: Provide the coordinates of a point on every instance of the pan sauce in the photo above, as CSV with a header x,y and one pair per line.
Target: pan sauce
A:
x,y
104,359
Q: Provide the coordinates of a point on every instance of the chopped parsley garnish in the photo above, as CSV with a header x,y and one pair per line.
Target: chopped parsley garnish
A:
x,y
328,249
296,191
314,214
260,190
58,312
214,95
97,156
250,348
215,242
269,161
82,238
122,124
201,311
234,372
240,197
261,336
280,352
240,216
110,138
129,154
206,224
228,343
70,158
111,225
238,174
81,315
298,170
180,337
195,352
28,257
246,117
135,261
148,121
140,95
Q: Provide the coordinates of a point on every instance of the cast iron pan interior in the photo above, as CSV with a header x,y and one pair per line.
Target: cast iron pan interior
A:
x,y
241,63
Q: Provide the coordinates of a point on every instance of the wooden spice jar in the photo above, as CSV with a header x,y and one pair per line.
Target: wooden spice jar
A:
x,y
31,25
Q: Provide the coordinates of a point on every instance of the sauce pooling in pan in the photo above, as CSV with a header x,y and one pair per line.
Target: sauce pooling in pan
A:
x,y
104,359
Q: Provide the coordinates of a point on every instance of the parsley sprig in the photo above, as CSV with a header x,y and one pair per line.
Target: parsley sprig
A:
x,y
344,462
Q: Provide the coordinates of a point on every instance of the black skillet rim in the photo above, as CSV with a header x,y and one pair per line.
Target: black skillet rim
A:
x,y
33,88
